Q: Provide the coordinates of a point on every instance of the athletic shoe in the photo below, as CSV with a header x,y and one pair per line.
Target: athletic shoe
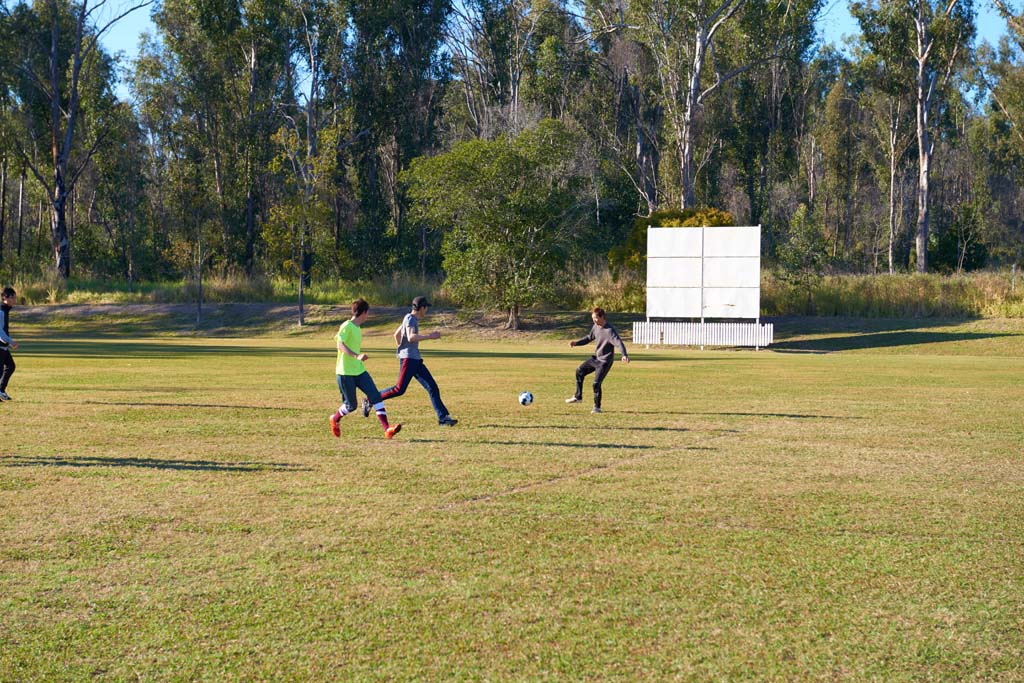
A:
x,y
366,407
335,427
596,410
4,396
573,399
390,432
448,421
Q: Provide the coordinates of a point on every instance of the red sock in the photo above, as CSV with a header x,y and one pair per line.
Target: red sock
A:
x,y
383,417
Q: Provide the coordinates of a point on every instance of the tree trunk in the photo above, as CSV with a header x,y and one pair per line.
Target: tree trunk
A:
x,y
250,199
924,157
21,208
59,238
893,132
303,276
646,154
3,205
689,197
513,318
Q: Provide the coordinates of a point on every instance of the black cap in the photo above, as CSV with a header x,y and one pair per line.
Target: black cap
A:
x,y
420,302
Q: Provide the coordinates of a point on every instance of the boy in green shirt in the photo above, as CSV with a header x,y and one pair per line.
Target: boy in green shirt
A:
x,y
352,373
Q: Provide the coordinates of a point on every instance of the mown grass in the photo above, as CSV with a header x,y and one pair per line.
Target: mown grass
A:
x,y
846,507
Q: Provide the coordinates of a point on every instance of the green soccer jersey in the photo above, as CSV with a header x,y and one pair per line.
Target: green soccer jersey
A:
x,y
351,335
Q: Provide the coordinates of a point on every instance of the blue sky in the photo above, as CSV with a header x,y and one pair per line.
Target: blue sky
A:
x,y
835,24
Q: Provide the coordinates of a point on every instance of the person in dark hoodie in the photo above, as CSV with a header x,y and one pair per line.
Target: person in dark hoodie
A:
x,y
6,343
608,339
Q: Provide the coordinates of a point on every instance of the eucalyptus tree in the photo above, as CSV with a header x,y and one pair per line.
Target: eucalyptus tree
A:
x,y
765,101
936,36
63,90
1004,71
843,148
309,159
224,63
700,46
399,74
491,43
885,71
1002,133
115,200
625,114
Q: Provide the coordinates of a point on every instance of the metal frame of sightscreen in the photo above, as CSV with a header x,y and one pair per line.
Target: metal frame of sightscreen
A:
x,y
698,277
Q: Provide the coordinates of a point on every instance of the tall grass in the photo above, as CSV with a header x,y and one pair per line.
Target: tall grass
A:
x,y
594,286
980,294
397,290
972,295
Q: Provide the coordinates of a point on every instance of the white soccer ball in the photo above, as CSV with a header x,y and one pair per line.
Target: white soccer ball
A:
x,y
525,398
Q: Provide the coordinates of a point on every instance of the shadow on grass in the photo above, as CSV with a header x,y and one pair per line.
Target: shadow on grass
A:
x,y
186,350
793,416
880,340
159,349
148,463
590,427
557,444
147,404
573,357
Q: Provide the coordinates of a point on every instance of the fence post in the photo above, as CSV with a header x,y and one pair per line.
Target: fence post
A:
x,y
1013,283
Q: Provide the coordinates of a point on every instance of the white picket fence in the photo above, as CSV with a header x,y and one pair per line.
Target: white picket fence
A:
x,y
703,334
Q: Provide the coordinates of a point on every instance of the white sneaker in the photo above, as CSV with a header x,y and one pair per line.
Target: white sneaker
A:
x,y
573,399
4,396
596,410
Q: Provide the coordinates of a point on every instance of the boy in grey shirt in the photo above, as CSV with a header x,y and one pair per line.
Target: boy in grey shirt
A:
x,y
410,362
6,343
608,339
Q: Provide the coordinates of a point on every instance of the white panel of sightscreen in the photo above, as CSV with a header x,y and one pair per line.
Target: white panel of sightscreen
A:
x,y
667,242
673,302
704,272
733,241
732,272
673,272
731,302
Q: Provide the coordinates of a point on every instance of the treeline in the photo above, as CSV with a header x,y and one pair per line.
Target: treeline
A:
x,y
322,140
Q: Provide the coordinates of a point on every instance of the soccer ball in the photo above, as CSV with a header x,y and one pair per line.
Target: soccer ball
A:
x,y
525,398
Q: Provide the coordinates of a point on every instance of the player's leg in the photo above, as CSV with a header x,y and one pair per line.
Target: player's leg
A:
x,y
6,370
347,387
368,387
426,380
601,373
586,367
407,368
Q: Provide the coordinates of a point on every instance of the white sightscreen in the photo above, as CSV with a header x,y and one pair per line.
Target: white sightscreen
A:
x,y
704,272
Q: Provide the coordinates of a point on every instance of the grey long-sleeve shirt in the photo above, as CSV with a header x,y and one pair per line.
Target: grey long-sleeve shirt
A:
x,y
5,334
608,340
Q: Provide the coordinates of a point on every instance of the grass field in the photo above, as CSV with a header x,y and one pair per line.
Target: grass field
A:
x,y
848,506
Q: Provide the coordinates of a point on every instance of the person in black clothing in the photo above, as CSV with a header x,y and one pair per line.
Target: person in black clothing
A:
x,y
608,339
6,343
